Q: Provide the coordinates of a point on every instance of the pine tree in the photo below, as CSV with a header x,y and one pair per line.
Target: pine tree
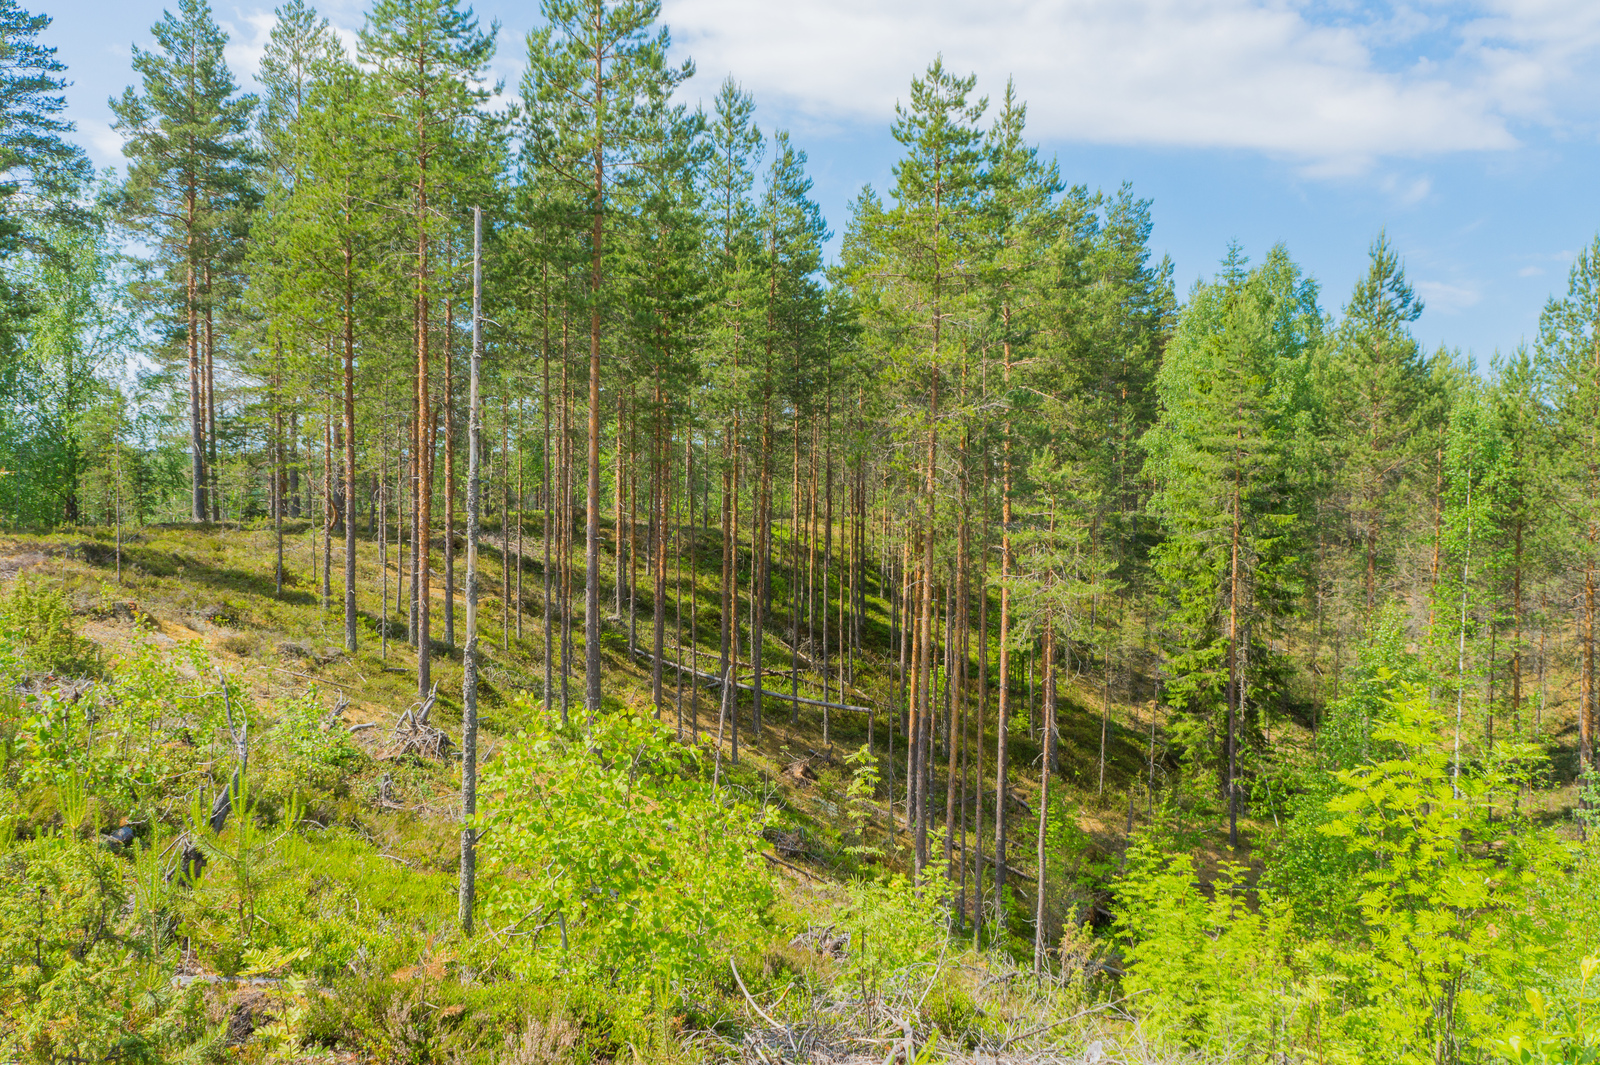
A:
x,y
302,53
1021,219
429,58
332,258
791,232
186,138
732,326
1569,357
592,72
1377,393
909,269
1521,422
41,172
56,286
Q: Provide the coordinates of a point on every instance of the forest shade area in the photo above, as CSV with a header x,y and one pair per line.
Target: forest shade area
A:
x,y
1305,613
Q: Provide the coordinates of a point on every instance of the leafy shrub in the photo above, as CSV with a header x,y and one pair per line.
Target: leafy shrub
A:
x,y
607,855
313,754
1557,1028
1447,930
950,1009
1210,971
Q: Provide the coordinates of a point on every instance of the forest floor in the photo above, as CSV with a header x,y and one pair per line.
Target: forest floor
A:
x,y
212,587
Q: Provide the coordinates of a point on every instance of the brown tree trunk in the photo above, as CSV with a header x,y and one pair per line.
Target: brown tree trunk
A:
x,y
424,437
624,539
1040,958
505,518
522,498
450,475
658,594
211,404
591,550
327,507
197,436
978,899
1230,752
549,503
1516,627
955,637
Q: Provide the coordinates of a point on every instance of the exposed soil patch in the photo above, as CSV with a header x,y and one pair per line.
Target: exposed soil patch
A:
x,y
13,566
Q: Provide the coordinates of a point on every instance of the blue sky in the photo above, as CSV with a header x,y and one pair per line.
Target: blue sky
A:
x,y
1470,130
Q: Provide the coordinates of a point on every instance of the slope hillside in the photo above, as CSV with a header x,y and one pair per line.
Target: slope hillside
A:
x,y
323,914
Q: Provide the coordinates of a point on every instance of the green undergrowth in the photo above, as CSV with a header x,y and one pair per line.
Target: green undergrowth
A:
x,y
641,896
623,896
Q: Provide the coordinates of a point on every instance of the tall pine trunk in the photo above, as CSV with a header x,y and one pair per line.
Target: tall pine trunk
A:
x,y
1003,720
349,453
449,475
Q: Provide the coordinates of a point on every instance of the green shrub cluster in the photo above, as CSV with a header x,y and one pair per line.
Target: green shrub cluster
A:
x,y
1396,920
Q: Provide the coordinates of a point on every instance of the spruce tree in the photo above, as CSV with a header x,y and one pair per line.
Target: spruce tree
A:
x,y
1230,456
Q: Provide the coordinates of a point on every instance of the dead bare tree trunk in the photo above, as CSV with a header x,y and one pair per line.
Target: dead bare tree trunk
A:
x,y
469,658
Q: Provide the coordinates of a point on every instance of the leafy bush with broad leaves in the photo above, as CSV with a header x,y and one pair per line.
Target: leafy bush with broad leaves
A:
x,y
1439,918
1446,926
606,855
314,753
1558,1028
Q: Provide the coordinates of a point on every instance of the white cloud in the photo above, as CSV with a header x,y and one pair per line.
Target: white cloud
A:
x,y
1540,263
1447,298
248,34
1407,193
1533,53
104,144
1264,75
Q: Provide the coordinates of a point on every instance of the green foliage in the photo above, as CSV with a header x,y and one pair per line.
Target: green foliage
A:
x,y
897,928
318,753
1427,922
1439,919
1211,971
1234,457
242,850
608,857
36,622
1314,872
1558,1028
860,796
69,982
